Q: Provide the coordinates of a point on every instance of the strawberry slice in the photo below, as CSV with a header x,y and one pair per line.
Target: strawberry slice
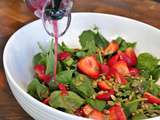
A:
x,y
40,71
111,48
132,55
87,109
63,89
46,101
89,66
106,95
102,85
64,55
117,113
121,67
96,115
151,98
113,59
104,68
120,79
125,57
134,71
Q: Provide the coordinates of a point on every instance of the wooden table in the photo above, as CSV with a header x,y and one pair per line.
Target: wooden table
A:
x,y
14,14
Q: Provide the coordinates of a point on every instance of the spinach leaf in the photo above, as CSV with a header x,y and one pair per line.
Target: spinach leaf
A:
x,y
70,103
87,41
139,116
97,104
66,48
147,62
39,58
82,85
100,41
123,45
50,63
37,90
65,76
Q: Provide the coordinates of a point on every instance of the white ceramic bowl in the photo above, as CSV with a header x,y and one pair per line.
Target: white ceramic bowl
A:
x,y
22,46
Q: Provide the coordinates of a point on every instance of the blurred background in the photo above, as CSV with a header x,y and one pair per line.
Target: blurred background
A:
x,y
14,14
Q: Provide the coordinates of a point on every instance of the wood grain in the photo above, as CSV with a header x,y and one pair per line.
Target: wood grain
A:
x,y
14,14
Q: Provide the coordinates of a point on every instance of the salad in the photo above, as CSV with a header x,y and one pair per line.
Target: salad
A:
x,y
101,80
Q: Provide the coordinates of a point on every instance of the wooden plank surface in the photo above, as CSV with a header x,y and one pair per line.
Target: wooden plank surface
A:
x,y
14,14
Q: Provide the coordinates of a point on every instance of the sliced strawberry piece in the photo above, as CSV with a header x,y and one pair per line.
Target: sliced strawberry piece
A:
x,y
39,69
106,95
121,67
104,68
113,59
132,55
125,57
151,98
44,77
120,79
87,109
64,55
46,101
111,48
89,66
79,112
96,115
134,71
117,113
63,89
102,85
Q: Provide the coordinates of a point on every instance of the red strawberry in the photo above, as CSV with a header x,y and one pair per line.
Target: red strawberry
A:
x,y
134,71
87,109
40,71
64,55
63,89
132,55
113,59
104,69
106,95
46,101
111,48
121,67
44,77
151,98
117,113
125,57
102,85
96,115
120,79
89,66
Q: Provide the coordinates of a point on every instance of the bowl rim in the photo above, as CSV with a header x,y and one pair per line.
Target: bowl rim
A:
x,y
35,101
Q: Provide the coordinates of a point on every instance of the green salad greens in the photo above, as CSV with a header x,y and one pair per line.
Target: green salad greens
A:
x,y
101,80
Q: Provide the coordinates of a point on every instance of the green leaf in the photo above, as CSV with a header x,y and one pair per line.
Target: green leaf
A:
x,y
65,76
147,62
97,104
156,73
50,63
37,90
68,62
124,45
82,85
66,48
39,58
100,41
87,41
70,103
80,54
132,106
139,116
